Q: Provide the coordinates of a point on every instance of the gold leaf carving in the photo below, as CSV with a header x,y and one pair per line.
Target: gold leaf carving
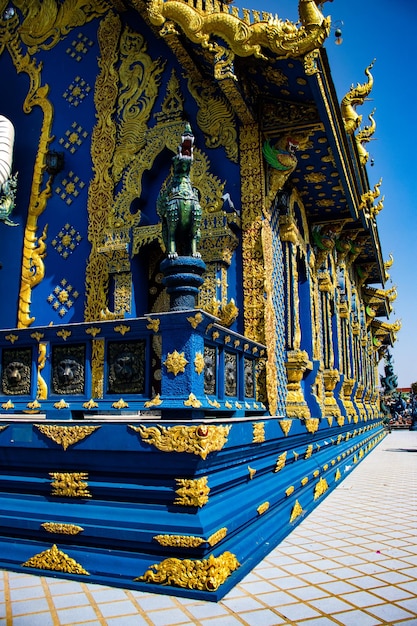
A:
x,y
3,428
34,405
12,338
93,331
153,324
120,404
251,471
297,510
55,560
61,404
281,462
338,475
321,487
206,574
7,405
216,537
196,320
192,492
285,426
262,508
192,401
90,404
66,436
175,362
199,440
199,363
312,424
258,432
179,541
62,529
289,491
156,401
122,329
70,485
64,334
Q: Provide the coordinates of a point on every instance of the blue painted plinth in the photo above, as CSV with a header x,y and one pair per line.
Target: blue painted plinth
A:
x,y
183,279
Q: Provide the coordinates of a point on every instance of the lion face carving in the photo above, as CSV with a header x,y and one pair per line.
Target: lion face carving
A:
x,y
16,378
68,376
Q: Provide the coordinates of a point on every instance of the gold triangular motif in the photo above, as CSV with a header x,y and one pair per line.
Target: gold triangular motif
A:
x,y
66,436
55,560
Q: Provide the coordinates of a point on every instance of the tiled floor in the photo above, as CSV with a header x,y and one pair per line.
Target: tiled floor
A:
x,y
352,562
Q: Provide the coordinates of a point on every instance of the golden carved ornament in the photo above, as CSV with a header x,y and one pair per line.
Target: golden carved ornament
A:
x,y
120,404
340,420
270,319
179,541
62,529
321,487
90,404
205,575
216,537
297,510
285,426
122,329
156,401
33,405
93,331
56,561
356,96
338,475
12,338
37,335
175,362
7,405
192,492
103,145
199,440
61,404
262,508
3,428
309,451
193,401
42,387
281,461
97,367
289,491
64,334
242,37
66,436
187,541
258,432
199,363
153,324
312,424
70,484
196,320
252,472
304,481
214,403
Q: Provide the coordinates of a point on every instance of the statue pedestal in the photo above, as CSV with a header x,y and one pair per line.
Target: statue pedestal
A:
x,y
183,279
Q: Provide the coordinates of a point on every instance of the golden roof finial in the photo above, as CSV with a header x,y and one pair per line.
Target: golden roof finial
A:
x,y
355,97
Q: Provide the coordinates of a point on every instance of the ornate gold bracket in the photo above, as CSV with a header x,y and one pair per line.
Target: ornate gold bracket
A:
x,y
297,364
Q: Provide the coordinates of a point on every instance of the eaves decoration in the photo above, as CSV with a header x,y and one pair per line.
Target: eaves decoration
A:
x,y
243,36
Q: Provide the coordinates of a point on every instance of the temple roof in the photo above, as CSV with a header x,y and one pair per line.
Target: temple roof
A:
x,y
276,73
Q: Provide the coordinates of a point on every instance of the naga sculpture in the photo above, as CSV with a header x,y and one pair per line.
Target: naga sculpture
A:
x,y
178,205
8,183
356,96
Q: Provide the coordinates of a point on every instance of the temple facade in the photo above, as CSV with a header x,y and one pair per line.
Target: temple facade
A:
x,y
193,303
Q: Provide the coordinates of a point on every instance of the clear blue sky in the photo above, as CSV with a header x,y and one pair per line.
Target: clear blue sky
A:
x,y
385,31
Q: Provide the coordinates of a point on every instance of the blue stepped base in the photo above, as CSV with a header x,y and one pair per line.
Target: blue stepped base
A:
x,y
121,504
